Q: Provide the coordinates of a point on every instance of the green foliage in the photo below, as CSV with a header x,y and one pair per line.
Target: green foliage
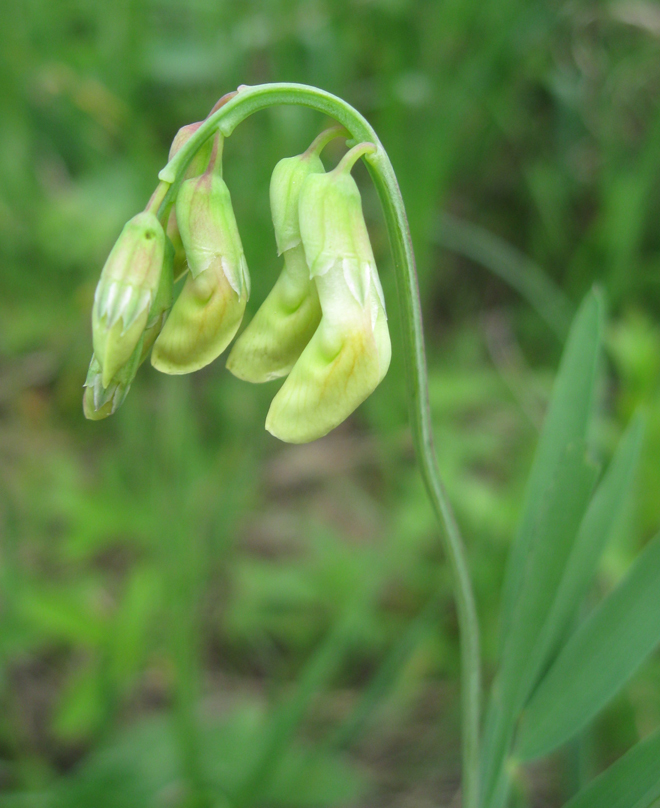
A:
x,y
562,535
562,446
599,659
169,581
142,767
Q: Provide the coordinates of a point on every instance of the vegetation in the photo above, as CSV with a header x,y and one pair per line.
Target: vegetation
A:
x,y
195,614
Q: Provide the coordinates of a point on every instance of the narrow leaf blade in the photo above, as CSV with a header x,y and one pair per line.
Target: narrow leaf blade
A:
x,y
566,423
601,516
597,661
564,431
632,782
553,541
557,523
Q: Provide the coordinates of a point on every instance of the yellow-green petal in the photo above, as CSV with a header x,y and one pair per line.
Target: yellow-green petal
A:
x,y
334,375
209,310
281,328
202,323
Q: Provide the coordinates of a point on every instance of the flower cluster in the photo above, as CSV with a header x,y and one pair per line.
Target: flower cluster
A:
x,y
323,325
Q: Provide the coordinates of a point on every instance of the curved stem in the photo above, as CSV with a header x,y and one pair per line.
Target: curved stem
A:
x,y
352,156
321,140
155,204
252,99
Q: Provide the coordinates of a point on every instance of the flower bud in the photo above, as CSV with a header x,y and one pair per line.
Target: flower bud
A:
x,y
287,319
350,351
208,312
197,166
99,400
285,185
126,291
281,328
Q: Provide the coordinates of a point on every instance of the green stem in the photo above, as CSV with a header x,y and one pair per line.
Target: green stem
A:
x,y
249,100
321,140
351,157
155,204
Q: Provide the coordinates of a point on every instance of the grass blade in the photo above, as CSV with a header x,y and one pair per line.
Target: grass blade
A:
x,y
601,516
287,717
597,661
512,266
385,678
632,782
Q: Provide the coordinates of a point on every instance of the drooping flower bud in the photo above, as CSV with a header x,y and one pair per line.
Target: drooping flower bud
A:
x,y
197,166
99,400
200,161
124,295
208,312
287,319
350,351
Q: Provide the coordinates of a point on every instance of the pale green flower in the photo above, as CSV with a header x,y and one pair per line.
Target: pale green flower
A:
x,y
287,319
209,310
102,399
350,351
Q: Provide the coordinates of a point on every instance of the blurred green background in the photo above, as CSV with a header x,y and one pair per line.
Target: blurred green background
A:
x,y
194,614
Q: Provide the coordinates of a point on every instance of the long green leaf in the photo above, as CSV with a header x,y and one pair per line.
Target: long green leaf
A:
x,y
596,528
558,477
531,659
558,521
597,661
566,423
632,782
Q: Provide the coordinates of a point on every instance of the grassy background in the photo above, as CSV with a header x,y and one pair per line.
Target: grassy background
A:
x,y
190,609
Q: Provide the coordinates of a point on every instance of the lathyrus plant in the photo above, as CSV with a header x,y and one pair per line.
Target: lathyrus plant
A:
x,y
324,327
